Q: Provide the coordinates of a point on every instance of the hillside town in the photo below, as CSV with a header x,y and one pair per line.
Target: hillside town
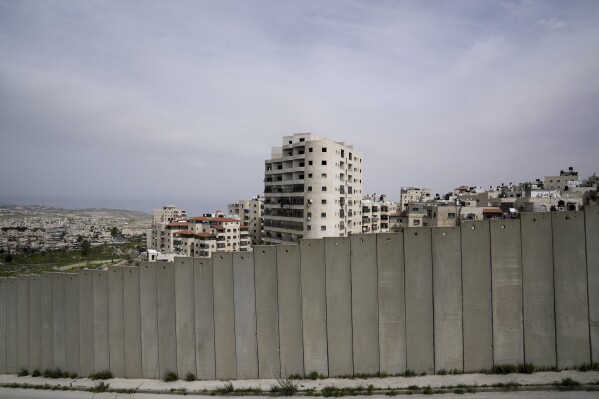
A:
x,y
313,189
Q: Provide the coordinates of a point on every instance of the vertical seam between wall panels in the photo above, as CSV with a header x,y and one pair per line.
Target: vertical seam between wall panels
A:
x,y
554,290
256,319
586,266
462,299
522,295
492,309
430,230
376,286
351,307
175,313
405,307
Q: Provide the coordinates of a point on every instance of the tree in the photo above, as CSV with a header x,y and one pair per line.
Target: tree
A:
x,y
85,247
114,232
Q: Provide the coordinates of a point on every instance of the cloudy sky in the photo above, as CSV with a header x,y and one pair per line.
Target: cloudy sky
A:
x,y
136,104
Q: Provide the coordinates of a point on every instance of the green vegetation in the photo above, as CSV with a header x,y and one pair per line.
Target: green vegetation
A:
x,y
190,377
170,376
284,386
23,372
101,387
568,384
56,373
38,262
227,388
101,375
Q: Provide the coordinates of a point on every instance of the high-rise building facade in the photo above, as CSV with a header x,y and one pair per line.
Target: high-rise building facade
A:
x,y
250,214
167,214
312,189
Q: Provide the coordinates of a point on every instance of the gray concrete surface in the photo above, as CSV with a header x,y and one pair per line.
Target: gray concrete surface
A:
x,y
506,268
267,312
86,324
101,334
314,306
47,322
149,321
132,315
72,322
571,298
537,289
116,320
591,217
244,294
23,322
60,326
420,355
224,316
447,298
35,319
339,309
2,325
185,315
12,320
204,319
392,306
167,318
290,309
364,304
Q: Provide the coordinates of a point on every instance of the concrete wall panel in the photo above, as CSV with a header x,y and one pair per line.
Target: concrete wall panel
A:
x,y
3,341
364,303
12,320
23,321
116,320
86,323
184,301
246,346
224,316
167,318
148,305
60,321
419,300
537,289
392,305
47,323
267,312
339,300
290,309
447,297
204,319
591,216
506,267
101,335
132,315
314,306
571,300
476,292
35,320
72,322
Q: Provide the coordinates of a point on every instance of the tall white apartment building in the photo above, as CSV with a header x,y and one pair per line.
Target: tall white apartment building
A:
x,y
312,189
250,214
168,213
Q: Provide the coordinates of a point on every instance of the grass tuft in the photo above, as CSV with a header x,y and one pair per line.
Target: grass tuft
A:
x,y
170,376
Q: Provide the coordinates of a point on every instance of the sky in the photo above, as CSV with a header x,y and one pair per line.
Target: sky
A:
x,y
139,104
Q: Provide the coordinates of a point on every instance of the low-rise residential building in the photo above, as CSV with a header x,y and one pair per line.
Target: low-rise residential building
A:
x,y
168,213
414,194
250,214
375,214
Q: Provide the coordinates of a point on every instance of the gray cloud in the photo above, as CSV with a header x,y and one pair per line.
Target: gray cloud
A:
x,y
139,103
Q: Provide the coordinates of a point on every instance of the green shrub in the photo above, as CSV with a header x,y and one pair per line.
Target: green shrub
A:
x,y
23,372
170,376
504,369
409,373
568,384
36,373
101,387
101,375
284,386
190,377
526,368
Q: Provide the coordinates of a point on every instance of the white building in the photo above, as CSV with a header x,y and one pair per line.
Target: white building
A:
x,y
250,214
168,213
414,194
313,189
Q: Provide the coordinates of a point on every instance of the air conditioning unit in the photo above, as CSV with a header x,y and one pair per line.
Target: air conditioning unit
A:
x,y
308,218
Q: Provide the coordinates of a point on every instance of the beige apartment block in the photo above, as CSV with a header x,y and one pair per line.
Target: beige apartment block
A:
x,y
250,214
207,235
565,181
162,235
375,214
168,213
413,194
312,189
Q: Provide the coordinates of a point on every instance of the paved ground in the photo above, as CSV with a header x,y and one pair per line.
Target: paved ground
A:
x,y
528,383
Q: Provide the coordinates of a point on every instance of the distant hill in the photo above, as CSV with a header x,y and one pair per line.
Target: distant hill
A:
x,y
12,210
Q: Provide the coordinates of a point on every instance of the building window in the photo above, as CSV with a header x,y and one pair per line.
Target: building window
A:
x,y
323,228
324,162
302,140
323,201
309,175
310,149
308,227
323,214
324,149
324,175
309,188
309,162
324,188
